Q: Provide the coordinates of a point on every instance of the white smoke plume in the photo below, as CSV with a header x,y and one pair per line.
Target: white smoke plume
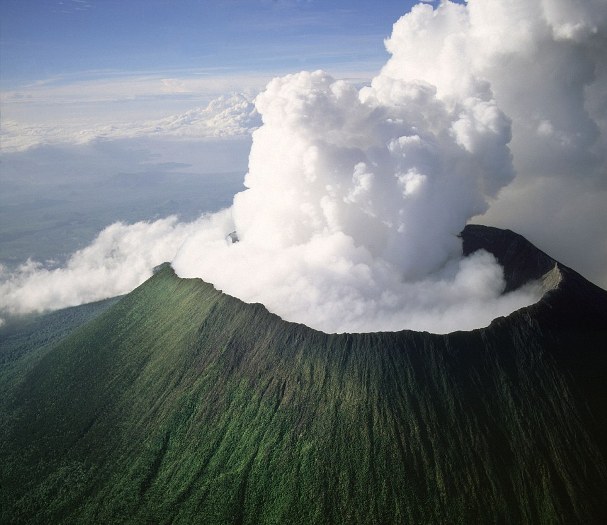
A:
x,y
355,197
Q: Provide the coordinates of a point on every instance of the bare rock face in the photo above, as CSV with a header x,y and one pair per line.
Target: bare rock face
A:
x,y
182,404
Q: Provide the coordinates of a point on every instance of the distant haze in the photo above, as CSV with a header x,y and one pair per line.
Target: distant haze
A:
x,y
355,196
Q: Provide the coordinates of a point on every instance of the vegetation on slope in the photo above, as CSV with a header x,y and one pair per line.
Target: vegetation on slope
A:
x,y
21,335
180,404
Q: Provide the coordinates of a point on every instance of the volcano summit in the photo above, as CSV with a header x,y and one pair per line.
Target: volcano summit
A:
x,y
180,404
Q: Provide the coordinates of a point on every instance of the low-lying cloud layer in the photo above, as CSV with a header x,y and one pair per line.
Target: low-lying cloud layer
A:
x,y
355,197
120,258
332,284
224,117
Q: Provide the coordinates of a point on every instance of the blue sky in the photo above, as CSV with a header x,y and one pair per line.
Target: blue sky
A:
x,y
75,62
51,39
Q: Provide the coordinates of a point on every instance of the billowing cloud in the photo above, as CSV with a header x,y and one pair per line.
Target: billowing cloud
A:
x,y
380,180
393,168
355,197
334,285
548,72
353,207
545,63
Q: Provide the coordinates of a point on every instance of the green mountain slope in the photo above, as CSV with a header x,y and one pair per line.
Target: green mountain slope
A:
x,y
23,335
180,404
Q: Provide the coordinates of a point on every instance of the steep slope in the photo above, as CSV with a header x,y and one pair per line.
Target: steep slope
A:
x,y
22,335
181,404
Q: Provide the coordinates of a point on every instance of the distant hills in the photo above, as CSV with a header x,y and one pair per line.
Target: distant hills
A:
x,y
180,404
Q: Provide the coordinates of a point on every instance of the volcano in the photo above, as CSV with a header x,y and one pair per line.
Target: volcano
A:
x,y
180,404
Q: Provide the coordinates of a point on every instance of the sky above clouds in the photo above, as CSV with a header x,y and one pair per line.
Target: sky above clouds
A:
x,y
43,39
359,178
150,58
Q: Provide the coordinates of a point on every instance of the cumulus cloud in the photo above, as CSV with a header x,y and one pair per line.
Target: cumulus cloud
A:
x,y
551,80
545,63
380,180
226,116
393,168
354,203
230,116
355,197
